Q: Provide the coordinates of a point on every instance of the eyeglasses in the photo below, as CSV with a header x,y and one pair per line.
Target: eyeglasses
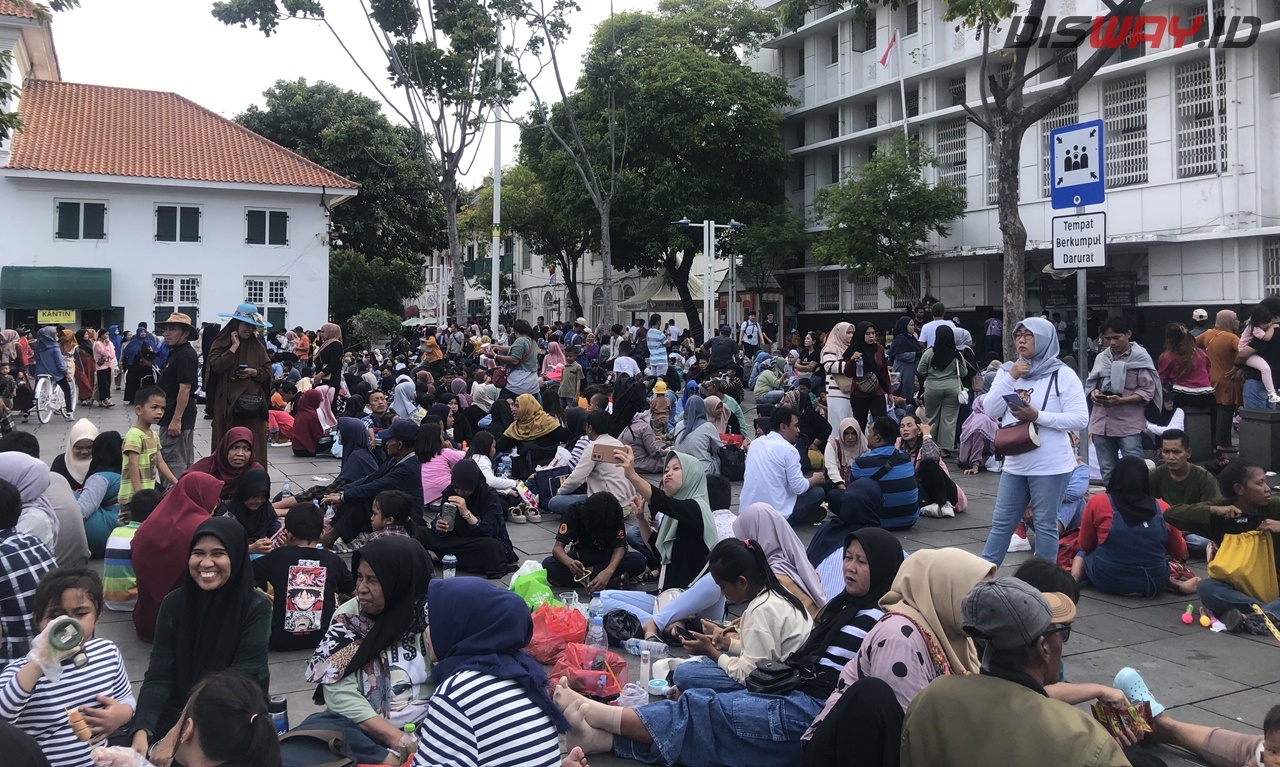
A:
x,y
1064,629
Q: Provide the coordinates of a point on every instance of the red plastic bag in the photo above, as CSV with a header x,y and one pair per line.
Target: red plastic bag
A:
x,y
553,628
732,440
595,673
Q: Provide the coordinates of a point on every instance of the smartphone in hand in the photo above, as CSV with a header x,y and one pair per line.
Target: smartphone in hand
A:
x,y
449,513
1014,400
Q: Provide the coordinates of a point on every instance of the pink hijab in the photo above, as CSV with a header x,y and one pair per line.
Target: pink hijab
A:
x,y
325,411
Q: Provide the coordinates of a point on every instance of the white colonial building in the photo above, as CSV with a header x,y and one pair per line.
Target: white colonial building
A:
x,y
1180,234
119,206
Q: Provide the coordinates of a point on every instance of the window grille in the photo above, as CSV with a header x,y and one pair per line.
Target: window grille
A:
x,y
957,89
164,290
866,293
835,48
952,158
870,111
913,102
828,290
1066,114
254,292
833,125
1065,66
1195,116
278,292
1124,112
913,18
1271,265
869,33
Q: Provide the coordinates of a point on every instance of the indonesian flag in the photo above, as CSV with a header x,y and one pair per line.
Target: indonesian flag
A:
x,y
884,60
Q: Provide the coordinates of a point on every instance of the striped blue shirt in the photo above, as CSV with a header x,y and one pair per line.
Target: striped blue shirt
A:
x,y
901,496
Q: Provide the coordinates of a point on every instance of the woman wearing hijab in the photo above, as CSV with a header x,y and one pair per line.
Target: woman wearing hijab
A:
x,y
944,369
214,620
234,456
327,369
51,362
251,507
552,362
843,447
241,371
867,394
904,352
372,668
86,367
761,523
325,412
977,439
308,432
159,545
478,534
1053,399
700,728
481,667
698,437
535,432
459,388
405,400
859,508
73,463
97,499
1125,543
717,413
358,462
137,358
38,517
839,368
104,360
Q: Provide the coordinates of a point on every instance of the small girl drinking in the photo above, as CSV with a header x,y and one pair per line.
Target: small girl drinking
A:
x,y
392,515
39,693
1261,326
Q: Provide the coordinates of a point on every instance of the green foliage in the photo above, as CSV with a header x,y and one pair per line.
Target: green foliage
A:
x,y
372,324
774,241
878,220
358,282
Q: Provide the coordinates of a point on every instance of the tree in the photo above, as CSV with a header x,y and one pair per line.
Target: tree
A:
x,y
9,89
369,282
878,217
774,241
372,324
440,55
1005,113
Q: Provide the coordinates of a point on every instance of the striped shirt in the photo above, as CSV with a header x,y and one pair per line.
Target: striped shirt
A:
x,y
477,720
146,444
42,713
119,583
23,559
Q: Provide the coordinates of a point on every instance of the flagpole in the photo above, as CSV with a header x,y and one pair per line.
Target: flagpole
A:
x,y
902,84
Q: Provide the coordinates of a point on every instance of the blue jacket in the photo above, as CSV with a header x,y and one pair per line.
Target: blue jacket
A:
x,y
49,357
898,483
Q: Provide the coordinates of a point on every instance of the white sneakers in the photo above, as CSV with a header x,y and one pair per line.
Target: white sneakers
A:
x,y
1273,398
1019,543
948,511
993,465
945,511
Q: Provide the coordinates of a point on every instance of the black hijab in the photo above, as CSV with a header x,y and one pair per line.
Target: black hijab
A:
x,y
404,570
210,623
107,449
1130,491
256,523
869,363
482,502
944,348
860,508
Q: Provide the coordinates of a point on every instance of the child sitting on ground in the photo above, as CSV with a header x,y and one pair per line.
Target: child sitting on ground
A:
x,y
1261,326
40,693
142,459
119,583
392,515
305,582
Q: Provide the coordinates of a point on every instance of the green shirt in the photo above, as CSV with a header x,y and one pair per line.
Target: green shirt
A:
x,y
1198,487
570,379
146,444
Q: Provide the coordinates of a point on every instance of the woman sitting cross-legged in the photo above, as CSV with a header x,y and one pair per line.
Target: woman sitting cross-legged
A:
x,y
373,667
940,496
490,705
702,726
478,535
1125,544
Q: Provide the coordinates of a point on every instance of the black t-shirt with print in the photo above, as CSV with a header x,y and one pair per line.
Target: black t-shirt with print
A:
x,y
571,532
306,583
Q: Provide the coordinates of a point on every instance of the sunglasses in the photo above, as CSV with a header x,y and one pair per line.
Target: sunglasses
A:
x,y
1064,629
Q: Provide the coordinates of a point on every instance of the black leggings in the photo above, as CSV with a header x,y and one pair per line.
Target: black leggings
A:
x,y
67,401
935,486
104,385
863,405
863,729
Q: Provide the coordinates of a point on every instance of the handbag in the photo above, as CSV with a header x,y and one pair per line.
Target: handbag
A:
x,y
962,396
1248,562
733,463
1022,437
249,405
501,373
867,384
771,677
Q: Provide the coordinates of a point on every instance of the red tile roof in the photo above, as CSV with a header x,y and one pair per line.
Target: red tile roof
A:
x,y
74,128
11,9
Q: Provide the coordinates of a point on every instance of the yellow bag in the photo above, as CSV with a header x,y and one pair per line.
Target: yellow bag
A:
x,y
1248,562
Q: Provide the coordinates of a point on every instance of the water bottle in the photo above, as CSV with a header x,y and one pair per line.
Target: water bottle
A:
x,y
645,649
278,708
595,634
859,367
287,490
596,609
504,466
645,669
450,563
411,747
328,515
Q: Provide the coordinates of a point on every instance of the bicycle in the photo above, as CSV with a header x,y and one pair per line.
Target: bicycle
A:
x,y
49,397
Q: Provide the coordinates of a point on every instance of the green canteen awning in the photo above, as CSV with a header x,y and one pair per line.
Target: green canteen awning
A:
x,y
54,287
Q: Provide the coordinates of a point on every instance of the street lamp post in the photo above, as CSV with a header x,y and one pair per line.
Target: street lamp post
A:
x,y
709,228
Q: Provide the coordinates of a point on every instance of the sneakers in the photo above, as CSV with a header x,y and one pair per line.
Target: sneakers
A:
x,y
931,510
993,465
1019,543
1273,397
1130,682
515,516
948,511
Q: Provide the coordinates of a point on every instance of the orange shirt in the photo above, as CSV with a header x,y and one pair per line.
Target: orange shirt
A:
x,y
304,347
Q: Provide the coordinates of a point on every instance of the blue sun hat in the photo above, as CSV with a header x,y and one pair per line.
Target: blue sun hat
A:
x,y
248,313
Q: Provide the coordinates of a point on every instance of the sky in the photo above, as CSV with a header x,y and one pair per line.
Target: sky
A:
x,y
177,46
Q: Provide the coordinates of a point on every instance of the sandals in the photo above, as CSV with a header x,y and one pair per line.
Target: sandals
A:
x,y
515,516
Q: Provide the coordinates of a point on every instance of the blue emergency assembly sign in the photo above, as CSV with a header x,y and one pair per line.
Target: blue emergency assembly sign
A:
x,y
1076,173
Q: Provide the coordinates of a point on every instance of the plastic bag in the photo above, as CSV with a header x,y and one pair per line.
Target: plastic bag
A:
x,y
1248,562
534,590
597,674
553,628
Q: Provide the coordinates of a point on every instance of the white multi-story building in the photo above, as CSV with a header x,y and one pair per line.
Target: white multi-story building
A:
x,y
121,206
1180,235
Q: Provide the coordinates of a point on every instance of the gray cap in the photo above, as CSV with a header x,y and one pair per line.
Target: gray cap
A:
x,y
1008,613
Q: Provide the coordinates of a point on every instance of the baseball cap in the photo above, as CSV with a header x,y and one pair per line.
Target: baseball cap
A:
x,y
402,429
1199,314
1009,614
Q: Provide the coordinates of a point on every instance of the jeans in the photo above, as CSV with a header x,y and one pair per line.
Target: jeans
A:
x,y
1219,596
700,673
1108,447
808,507
769,397
1015,491
1255,395
703,599
363,748
559,504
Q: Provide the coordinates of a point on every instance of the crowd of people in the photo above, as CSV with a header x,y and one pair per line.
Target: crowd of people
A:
x,y
451,434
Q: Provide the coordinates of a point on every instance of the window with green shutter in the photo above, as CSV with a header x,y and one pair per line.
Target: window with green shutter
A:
x,y
166,223
68,221
256,227
277,228
95,221
81,221
267,227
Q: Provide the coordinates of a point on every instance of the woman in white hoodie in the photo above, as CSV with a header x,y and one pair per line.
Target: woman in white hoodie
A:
x,y
482,449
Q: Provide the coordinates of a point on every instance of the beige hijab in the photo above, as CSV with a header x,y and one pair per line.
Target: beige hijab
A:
x,y
845,455
717,414
929,589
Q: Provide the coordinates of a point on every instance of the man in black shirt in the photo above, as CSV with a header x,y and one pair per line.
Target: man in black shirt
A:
x,y
722,350
770,330
178,379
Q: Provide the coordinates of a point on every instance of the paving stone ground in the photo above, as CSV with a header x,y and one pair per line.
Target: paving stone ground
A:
x,y
1219,680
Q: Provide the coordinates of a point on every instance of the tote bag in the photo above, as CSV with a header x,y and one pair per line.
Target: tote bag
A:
x,y
1248,562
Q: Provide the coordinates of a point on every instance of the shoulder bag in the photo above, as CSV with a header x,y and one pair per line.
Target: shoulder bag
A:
x,y
250,406
1022,437
500,373
868,383
962,396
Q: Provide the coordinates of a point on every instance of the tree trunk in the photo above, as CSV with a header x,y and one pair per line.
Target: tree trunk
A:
x,y
571,283
449,197
678,273
606,260
1008,164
